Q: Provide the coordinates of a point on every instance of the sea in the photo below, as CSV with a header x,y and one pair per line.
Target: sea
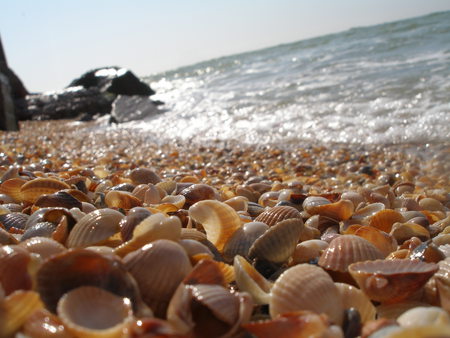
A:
x,y
382,84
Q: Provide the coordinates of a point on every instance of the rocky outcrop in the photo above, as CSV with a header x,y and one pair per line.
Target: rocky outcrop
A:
x,y
127,108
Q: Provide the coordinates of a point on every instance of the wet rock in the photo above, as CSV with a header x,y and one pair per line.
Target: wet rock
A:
x,y
128,108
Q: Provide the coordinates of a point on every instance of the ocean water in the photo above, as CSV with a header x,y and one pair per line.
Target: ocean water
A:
x,y
383,84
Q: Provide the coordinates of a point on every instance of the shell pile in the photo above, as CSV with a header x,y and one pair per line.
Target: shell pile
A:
x,y
101,236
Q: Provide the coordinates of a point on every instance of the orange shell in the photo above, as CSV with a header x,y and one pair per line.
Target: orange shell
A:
x,y
33,189
274,215
384,219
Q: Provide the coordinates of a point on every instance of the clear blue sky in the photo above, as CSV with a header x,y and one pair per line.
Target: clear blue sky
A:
x,y
49,43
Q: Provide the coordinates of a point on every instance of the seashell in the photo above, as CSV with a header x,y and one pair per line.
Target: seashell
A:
x,y
14,273
278,243
131,220
381,240
345,250
6,238
148,327
10,207
144,176
306,287
44,324
58,199
340,210
78,267
445,249
198,192
147,193
218,219
168,186
308,250
443,283
5,199
238,203
154,227
79,195
187,233
274,215
242,239
37,187
94,228
251,281
269,198
442,239
404,231
169,265
353,297
367,211
299,324
254,209
121,199
384,219
16,220
43,246
395,310
16,309
320,223
425,331
12,187
194,247
355,197
391,280
89,311
41,229
431,204
420,316
312,203
127,187
427,252
206,310
401,188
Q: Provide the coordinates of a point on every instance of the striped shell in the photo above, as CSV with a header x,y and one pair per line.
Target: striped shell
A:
x,y
380,239
276,214
384,219
37,187
353,297
43,246
121,199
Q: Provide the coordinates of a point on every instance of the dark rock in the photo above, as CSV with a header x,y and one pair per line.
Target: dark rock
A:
x,y
129,108
115,80
8,119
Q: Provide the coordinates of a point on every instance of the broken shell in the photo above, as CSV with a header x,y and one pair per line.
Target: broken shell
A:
x,y
121,199
278,243
308,250
94,228
43,246
420,316
391,280
384,219
404,231
306,287
367,211
218,219
274,215
154,227
144,176
340,210
353,297
93,312
169,264
131,220
37,187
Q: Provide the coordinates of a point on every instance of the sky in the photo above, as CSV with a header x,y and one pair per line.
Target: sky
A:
x,y
48,43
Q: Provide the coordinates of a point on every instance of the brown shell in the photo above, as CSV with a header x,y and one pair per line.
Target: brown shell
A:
x,y
44,324
58,199
391,280
144,176
14,220
381,240
404,231
345,250
121,199
12,188
274,215
37,187
129,222
384,219
6,238
43,246
198,192
77,267
14,274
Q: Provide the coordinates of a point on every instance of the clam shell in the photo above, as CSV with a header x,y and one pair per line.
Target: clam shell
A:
x,y
147,193
367,211
353,297
404,231
78,267
41,229
14,220
420,316
193,247
154,227
308,250
198,192
94,228
355,197
121,199
58,199
306,287
37,187
384,219
345,250
169,264
16,309
144,176
274,215
218,219
43,246
89,311
278,243
242,239
238,203
391,280
168,186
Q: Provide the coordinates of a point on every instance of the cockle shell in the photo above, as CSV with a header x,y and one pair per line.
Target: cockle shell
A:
x,y
37,187
381,240
218,219
353,297
58,199
41,229
131,220
158,268
144,176
442,278
91,312
306,287
154,227
278,243
420,316
308,250
12,187
44,324
43,246
16,309
276,214
121,199
94,228
391,280
384,219
79,267
14,272
14,220
198,192
404,231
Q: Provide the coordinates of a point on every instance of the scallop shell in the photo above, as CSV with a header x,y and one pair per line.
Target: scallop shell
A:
x,y
43,246
37,187
121,199
16,309
384,219
144,176
391,280
242,239
278,243
78,267
308,250
93,312
218,219
345,250
94,228
274,215
306,287
169,265
154,227
353,297
381,240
